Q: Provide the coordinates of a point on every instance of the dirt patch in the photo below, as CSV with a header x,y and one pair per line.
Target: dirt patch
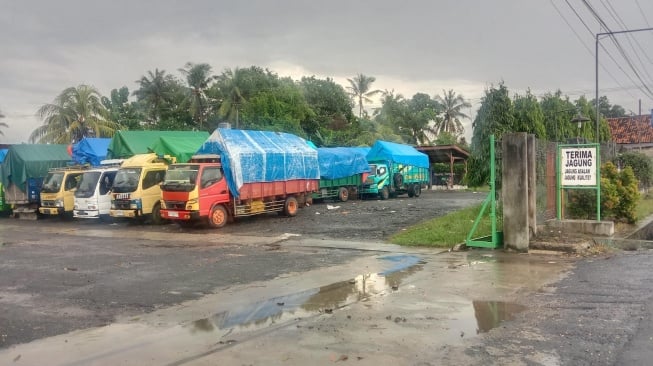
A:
x,y
362,220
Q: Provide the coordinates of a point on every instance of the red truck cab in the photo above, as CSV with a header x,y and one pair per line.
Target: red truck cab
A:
x,y
193,190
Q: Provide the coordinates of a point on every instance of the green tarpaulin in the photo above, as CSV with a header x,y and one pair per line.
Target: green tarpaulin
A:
x,y
126,144
25,161
181,147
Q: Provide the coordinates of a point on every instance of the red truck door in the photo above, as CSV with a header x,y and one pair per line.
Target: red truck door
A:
x,y
212,188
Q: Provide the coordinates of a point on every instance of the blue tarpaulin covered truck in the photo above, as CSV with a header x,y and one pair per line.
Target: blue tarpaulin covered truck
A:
x,y
342,172
396,169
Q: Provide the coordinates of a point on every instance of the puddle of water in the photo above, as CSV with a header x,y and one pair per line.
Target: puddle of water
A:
x,y
482,316
325,299
490,314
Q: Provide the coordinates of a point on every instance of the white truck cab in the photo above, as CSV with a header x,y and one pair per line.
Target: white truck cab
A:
x,y
93,194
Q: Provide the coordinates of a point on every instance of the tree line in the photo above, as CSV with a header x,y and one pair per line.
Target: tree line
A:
x,y
254,98
320,110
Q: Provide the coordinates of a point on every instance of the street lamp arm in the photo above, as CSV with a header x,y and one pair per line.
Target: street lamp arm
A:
x,y
596,68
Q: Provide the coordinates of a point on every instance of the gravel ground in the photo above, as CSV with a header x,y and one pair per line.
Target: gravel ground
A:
x,y
57,276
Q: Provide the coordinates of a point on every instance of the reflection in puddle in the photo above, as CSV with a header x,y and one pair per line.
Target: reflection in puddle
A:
x,y
490,314
314,301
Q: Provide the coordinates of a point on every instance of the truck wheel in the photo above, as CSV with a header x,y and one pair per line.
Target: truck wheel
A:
x,y
343,194
218,217
290,207
385,193
418,190
398,180
411,191
156,215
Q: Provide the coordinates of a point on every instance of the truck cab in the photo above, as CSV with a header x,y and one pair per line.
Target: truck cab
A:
x,y
57,192
136,191
389,179
93,196
191,191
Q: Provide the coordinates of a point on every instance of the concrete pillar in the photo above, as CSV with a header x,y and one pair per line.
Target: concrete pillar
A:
x,y
514,191
532,185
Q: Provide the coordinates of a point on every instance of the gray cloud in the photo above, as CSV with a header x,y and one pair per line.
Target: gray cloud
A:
x,y
410,46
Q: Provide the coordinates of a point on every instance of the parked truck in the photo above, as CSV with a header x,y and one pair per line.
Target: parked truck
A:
x,y
136,191
342,172
396,169
58,191
241,173
93,195
22,173
5,209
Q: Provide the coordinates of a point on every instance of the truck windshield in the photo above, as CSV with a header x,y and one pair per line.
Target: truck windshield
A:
x,y
87,184
126,180
52,183
180,178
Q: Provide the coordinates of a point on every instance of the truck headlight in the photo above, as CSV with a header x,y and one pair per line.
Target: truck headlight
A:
x,y
191,203
163,204
58,203
92,207
75,207
113,205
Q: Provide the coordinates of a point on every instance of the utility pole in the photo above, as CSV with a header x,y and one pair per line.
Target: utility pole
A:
x,y
596,66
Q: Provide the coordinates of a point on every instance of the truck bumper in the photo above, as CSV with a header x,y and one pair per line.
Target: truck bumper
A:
x,y
180,215
124,213
86,214
51,210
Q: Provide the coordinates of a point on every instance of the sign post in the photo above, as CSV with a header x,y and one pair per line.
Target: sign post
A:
x,y
579,167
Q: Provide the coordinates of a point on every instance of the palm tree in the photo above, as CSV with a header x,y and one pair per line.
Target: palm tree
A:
x,y
74,114
153,91
451,114
198,77
359,89
2,124
232,87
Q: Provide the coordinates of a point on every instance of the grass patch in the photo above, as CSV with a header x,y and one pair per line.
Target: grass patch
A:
x,y
644,206
445,231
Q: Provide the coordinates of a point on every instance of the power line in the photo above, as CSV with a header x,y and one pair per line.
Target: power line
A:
x,y
604,49
583,42
619,47
629,36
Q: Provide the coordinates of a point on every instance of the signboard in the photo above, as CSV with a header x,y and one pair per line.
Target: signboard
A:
x,y
578,166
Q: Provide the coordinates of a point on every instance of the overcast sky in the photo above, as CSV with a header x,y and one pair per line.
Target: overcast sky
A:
x,y
409,46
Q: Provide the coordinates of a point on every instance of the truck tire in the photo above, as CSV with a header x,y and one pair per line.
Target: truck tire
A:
x,y
418,189
156,214
218,217
290,207
384,193
411,190
343,194
398,180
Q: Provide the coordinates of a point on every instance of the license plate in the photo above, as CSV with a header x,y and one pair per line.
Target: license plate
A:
x,y
173,214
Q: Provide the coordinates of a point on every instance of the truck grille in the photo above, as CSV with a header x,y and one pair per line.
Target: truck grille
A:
x,y
175,205
48,204
121,205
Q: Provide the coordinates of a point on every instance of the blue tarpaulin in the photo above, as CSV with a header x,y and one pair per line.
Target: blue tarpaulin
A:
x,y
397,153
261,156
3,153
340,162
91,150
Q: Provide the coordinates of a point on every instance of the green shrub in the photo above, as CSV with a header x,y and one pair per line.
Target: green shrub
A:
x,y
619,196
641,164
